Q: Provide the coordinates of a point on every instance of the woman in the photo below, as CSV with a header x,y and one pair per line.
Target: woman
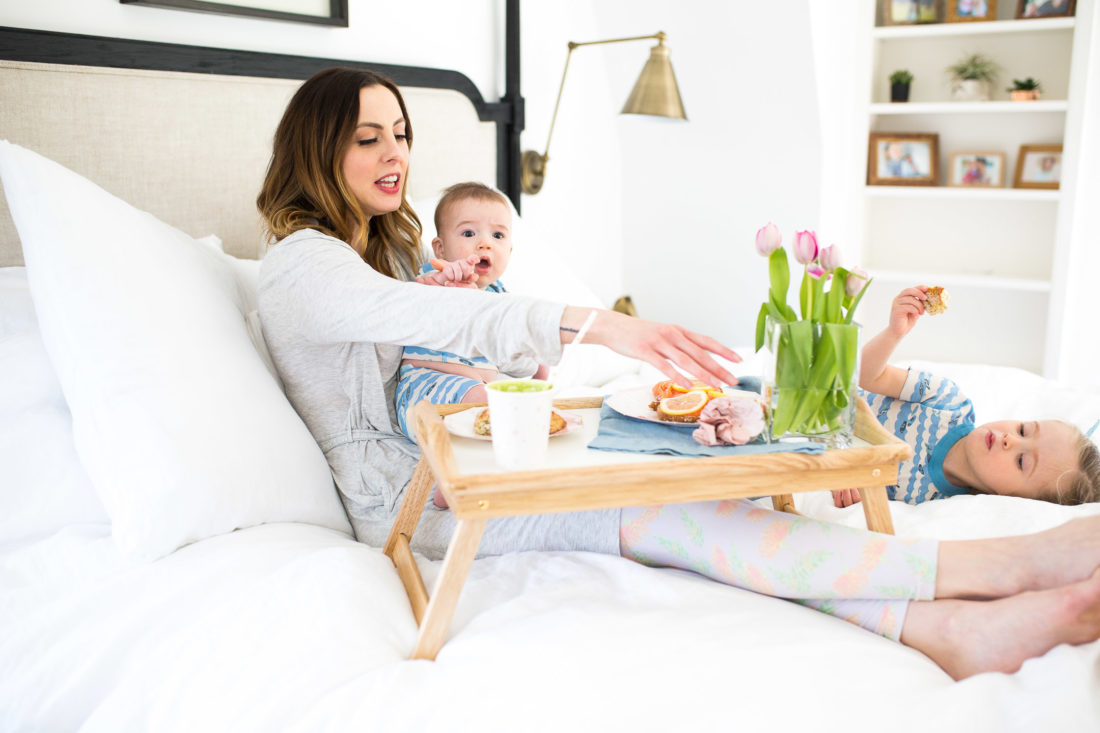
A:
x,y
337,307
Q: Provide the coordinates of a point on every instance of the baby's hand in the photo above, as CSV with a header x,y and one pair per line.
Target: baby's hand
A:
x,y
845,497
907,307
455,274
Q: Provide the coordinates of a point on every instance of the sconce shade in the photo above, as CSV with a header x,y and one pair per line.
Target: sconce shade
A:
x,y
656,92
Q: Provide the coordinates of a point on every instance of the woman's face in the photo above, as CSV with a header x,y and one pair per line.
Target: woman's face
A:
x,y
377,160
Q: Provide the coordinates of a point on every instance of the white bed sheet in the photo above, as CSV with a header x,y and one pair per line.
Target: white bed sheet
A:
x,y
294,627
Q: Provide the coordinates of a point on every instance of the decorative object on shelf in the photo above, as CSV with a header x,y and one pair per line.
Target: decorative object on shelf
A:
x,y
321,12
1045,8
1038,166
972,77
1024,90
655,93
908,12
899,85
810,365
903,159
964,11
985,170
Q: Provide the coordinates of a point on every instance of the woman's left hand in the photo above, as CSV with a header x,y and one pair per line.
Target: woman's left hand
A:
x,y
454,274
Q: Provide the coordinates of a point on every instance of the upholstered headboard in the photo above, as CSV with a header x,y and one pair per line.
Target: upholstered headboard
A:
x,y
185,132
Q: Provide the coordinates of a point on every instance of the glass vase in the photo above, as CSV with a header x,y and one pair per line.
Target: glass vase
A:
x,y
811,372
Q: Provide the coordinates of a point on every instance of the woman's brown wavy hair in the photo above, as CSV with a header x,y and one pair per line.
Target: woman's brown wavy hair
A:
x,y
305,186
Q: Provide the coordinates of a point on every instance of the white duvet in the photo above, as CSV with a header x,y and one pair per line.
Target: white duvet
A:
x,y
294,627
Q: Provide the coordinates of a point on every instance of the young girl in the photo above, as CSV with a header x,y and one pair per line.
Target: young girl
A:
x,y
337,300
1049,460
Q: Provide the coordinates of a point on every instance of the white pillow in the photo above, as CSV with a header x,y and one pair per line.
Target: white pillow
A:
x,y
538,271
178,424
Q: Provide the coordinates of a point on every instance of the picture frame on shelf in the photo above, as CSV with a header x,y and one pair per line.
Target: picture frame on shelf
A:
x,y
903,159
1038,166
965,11
1045,8
910,12
976,170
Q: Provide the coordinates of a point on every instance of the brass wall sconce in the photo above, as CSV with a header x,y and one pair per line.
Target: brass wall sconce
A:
x,y
655,93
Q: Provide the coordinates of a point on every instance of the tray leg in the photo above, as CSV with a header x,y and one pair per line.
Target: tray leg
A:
x,y
784,503
452,576
416,496
876,509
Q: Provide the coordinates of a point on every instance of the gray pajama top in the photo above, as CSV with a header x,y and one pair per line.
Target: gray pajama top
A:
x,y
335,328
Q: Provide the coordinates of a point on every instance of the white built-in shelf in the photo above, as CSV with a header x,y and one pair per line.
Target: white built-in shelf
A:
x,y
938,108
976,28
947,280
964,192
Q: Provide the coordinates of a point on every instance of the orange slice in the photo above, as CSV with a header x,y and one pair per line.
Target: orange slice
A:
x,y
696,385
688,403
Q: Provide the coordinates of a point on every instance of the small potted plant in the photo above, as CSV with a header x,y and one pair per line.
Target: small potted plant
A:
x,y
899,85
972,77
1025,90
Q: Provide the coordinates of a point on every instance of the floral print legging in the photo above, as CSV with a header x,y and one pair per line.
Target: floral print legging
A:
x,y
863,577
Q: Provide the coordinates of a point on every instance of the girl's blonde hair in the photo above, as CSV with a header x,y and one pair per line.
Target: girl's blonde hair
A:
x,y
305,186
1083,484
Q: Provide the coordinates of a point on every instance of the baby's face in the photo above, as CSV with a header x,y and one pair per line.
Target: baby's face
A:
x,y
477,227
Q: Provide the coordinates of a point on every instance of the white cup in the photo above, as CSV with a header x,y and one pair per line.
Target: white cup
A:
x,y
519,418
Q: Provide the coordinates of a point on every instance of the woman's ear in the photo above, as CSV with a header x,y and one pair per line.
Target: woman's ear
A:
x,y
437,247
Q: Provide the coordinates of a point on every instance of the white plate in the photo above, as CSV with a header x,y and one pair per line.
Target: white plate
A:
x,y
635,403
462,423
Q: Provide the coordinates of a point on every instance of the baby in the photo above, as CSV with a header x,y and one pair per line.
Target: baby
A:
x,y
473,244
1049,460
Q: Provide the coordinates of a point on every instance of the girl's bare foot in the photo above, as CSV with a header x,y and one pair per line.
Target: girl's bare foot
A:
x,y
970,637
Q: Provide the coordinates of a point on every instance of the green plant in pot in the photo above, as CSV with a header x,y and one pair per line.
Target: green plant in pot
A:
x,y
1024,90
899,85
972,77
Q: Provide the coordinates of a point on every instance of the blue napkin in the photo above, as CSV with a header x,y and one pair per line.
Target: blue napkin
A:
x,y
621,433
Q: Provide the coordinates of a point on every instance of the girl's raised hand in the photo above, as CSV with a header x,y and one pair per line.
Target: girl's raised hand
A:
x,y
907,308
454,274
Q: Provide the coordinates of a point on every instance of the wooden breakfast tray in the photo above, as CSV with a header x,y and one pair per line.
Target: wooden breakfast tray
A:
x,y
870,466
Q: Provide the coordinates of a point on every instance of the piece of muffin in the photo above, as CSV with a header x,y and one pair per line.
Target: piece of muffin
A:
x,y
482,427
937,300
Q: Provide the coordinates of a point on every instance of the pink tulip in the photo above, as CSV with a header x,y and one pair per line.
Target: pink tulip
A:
x,y
857,278
805,247
816,271
829,257
768,239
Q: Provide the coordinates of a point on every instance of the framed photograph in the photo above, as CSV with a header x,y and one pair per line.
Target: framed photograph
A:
x,y
322,12
963,11
903,159
985,170
907,12
1045,8
1039,166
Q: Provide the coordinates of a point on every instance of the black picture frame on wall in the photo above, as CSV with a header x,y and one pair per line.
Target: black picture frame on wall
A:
x,y
337,12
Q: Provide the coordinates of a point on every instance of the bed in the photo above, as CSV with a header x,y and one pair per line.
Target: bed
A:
x,y
173,556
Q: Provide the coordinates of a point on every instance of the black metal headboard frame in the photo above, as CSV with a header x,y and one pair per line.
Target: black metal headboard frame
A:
x,y
20,44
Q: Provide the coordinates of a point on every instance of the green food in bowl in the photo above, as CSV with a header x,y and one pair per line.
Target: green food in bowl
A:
x,y
520,385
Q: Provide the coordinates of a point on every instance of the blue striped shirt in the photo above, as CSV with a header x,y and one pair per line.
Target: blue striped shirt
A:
x,y
931,415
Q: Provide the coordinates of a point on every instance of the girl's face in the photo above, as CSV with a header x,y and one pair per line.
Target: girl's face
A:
x,y
377,160
481,227
1021,458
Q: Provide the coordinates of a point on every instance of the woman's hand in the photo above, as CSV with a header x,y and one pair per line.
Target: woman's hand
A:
x,y
455,274
906,310
663,345
845,497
